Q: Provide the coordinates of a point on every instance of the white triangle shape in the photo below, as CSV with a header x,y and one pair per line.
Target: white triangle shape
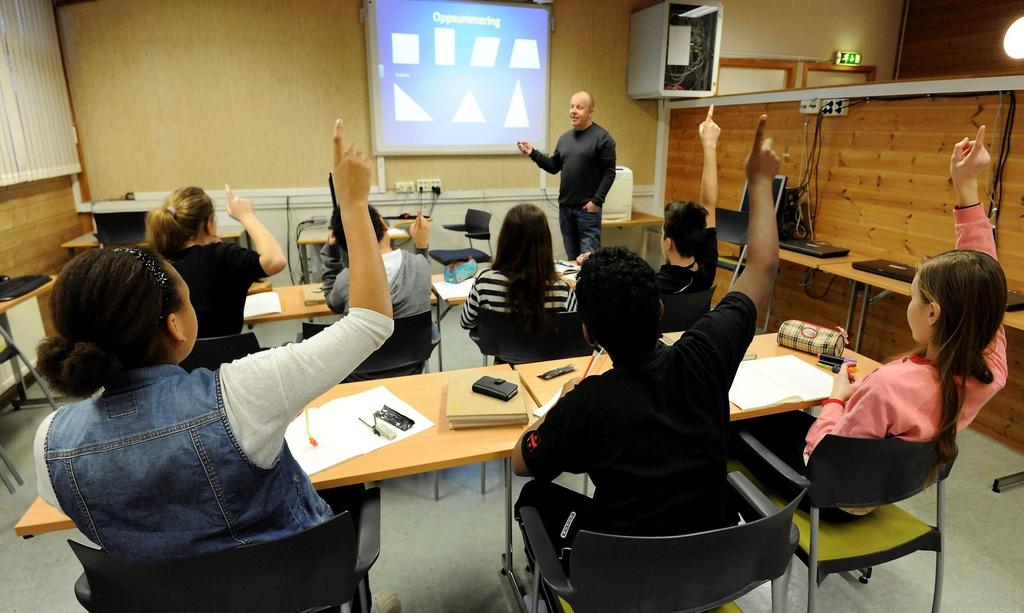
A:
x,y
406,109
469,111
516,115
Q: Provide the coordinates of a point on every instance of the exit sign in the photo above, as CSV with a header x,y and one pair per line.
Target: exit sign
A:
x,y
847,58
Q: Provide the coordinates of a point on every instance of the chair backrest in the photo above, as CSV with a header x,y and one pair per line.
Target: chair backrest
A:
x,y
312,569
502,337
860,472
120,228
212,352
683,310
478,222
411,343
693,572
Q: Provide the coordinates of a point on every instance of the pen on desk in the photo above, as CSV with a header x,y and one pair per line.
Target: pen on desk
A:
x,y
591,362
309,433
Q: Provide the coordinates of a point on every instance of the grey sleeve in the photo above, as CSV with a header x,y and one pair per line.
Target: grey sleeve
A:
x,y
265,391
332,265
337,298
606,159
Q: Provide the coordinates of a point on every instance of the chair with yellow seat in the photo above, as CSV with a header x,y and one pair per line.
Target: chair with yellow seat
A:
x,y
693,572
854,473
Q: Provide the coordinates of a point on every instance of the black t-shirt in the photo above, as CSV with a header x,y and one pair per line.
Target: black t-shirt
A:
x,y
218,276
653,434
697,277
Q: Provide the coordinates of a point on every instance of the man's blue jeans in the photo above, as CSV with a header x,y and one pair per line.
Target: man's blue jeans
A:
x,y
581,231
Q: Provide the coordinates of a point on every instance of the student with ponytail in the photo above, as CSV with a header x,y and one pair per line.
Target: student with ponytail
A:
x,y
688,239
184,230
167,464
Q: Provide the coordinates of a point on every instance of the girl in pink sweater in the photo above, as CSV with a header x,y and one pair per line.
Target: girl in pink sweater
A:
x,y
956,308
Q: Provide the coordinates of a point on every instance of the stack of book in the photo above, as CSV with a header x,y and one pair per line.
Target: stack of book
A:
x,y
468,409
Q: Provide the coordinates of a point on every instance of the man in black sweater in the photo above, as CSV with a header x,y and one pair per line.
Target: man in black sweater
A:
x,y
585,156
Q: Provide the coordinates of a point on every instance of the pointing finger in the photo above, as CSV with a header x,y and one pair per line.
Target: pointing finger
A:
x,y
339,132
711,112
759,133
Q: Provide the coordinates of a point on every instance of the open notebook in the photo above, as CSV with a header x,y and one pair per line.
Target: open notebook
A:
x,y
766,382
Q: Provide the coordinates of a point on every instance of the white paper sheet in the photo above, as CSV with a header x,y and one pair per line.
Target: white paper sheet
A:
x,y
263,303
447,291
541,411
339,434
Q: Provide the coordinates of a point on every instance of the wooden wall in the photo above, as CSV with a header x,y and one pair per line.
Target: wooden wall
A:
x,y
197,92
34,219
957,38
885,192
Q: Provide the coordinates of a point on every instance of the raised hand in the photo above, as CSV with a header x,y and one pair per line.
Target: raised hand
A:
x,y
970,158
420,231
351,171
762,163
238,207
708,130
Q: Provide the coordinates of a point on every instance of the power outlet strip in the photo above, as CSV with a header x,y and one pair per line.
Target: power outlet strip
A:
x,y
423,186
405,187
809,107
828,107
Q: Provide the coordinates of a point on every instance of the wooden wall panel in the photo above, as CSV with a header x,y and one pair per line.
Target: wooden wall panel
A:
x,y
957,38
884,192
35,218
195,92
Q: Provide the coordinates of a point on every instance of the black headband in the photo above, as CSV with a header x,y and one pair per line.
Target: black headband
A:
x,y
155,271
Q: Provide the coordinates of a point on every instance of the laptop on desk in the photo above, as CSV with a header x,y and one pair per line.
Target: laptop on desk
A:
x,y
812,248
121,228
1014,300
887,268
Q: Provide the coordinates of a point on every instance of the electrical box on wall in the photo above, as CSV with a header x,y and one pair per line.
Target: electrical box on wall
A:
x,y
673,50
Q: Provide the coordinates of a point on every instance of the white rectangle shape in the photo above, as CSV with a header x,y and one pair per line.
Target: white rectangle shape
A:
x,y
444,46
485,51
766,382
339,434
447,291
541,411
405,48
678,46
263,303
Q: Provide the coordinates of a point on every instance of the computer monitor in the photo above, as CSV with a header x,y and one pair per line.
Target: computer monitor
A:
x,y
778,193
128,228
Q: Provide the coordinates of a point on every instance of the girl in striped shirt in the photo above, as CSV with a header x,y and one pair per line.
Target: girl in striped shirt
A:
x,y
522,280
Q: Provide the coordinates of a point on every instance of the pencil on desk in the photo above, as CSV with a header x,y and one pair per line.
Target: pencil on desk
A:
x,y
309,433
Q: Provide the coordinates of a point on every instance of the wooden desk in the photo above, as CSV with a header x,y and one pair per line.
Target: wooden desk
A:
x,y
89,241
434,449
764,345
814,263
23,400
1014,320
293,306
318,235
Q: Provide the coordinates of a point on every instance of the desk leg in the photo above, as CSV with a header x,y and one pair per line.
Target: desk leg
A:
x,y
1008,481
304,262
853,299
506,558
23,400
440,337
863,315
71,253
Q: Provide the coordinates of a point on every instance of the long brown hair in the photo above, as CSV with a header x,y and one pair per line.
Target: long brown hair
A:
x,y
180,218
970,289
525,256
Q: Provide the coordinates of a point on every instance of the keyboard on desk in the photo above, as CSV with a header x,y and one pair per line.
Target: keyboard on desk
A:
x,y
888,268
19,286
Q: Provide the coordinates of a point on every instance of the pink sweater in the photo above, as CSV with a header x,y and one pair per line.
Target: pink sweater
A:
x,y
902,398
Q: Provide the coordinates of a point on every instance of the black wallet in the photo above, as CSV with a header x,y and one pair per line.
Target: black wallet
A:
x,y
495,388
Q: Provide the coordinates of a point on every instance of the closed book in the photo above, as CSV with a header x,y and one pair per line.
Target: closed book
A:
x,y
466,408
313,295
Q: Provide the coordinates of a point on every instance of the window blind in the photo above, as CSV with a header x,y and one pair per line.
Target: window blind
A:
x,y
37,137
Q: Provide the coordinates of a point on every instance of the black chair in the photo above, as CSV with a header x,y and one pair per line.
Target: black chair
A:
x,y
476,225
683,310
409,347
314,570
693,572
842,476
499,336
121,228
212,352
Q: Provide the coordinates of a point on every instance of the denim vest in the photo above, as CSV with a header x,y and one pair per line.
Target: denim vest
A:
x,y
151,470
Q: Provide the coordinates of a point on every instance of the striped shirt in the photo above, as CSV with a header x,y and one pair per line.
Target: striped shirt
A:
x,y
490,291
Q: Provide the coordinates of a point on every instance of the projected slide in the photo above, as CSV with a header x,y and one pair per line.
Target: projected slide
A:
x,y
457,77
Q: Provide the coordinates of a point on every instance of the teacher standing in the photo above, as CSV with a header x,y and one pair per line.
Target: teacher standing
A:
x,y
585,156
